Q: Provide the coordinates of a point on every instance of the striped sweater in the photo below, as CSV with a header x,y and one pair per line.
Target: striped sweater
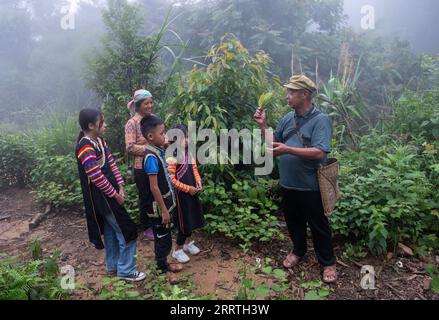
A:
x,y
95,156
178,185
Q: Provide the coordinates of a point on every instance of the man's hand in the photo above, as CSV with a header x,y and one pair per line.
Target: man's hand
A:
x,y
260,117
280,149
166,217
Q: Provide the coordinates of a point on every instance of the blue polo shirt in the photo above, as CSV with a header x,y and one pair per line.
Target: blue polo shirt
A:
x,y
297,173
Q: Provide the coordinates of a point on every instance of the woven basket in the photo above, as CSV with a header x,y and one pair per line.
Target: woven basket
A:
x,y
328,182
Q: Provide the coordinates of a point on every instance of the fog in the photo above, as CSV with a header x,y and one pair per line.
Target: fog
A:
x,y
415,21
42,55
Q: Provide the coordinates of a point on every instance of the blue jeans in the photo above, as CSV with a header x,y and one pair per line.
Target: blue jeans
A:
x,y
119,255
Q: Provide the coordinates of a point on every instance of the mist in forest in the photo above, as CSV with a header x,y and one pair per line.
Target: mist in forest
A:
x,y
415,21
43,42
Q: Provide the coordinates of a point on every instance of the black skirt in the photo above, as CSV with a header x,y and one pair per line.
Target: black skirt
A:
x,y
189,215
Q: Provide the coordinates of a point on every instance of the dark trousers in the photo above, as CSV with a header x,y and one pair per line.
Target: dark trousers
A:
x,y
300,208
140,177
181,238
162,244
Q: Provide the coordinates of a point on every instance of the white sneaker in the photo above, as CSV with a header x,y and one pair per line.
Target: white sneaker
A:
x,y
180,256
134,277
191,248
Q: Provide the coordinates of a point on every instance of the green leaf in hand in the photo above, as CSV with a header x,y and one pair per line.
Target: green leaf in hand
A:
x,y
265,99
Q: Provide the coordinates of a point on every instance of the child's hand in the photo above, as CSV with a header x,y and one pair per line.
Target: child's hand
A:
x,y
193,191
166,218
121,191
120,199
199,186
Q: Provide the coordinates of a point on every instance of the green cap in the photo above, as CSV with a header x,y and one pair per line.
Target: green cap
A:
x,y
300,83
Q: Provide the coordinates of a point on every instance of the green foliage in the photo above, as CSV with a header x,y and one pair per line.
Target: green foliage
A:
x,y
340,100
224,95
34,280
127,61
131,198
244,212
428,243
54,176
16,159
118,289
157,287
354,252
44,159
56,134
415,115
315,290
262,281
272,27
218,95
35,248
386,197
434,273
56,181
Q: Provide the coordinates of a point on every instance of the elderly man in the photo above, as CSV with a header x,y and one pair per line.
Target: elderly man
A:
x,y
302,141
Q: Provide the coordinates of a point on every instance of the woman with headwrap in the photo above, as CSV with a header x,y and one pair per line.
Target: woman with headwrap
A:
x,y
142,105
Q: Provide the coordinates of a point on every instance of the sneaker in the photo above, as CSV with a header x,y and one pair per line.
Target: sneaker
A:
x,y
134,277
191,248
180,256
149,235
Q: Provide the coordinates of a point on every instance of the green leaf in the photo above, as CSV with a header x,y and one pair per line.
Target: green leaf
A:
x,y
265,99
261,291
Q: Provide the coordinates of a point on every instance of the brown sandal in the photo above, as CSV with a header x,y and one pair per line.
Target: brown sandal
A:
x,y
172,278
329,274
291,261
175,267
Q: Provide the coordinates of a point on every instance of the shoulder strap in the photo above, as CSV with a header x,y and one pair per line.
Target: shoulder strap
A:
x,y
298,127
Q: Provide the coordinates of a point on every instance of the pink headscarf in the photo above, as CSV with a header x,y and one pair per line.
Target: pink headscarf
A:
x,y
138,96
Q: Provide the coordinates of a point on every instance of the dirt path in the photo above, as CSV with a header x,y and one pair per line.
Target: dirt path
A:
x,y
215,271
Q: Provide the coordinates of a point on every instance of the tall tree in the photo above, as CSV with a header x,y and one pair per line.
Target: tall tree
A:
x,y
127,61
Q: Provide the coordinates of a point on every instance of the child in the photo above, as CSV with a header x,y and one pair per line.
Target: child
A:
x,y
161,206
103,194
187,183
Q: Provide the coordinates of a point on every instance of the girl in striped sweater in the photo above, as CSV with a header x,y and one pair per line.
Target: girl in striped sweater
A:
x,y
102,189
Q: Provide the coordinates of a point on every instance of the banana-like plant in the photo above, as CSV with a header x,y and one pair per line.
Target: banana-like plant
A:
x,y
340,99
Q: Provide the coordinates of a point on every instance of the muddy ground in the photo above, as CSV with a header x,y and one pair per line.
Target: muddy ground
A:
x,y
215,271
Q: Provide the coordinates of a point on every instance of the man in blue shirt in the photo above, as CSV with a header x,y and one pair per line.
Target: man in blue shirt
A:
x,y
302,141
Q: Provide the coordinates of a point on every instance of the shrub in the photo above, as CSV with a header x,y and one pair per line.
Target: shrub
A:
x,y
415,115
56,135
16,159
55,181
389,203
242,212
35,280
